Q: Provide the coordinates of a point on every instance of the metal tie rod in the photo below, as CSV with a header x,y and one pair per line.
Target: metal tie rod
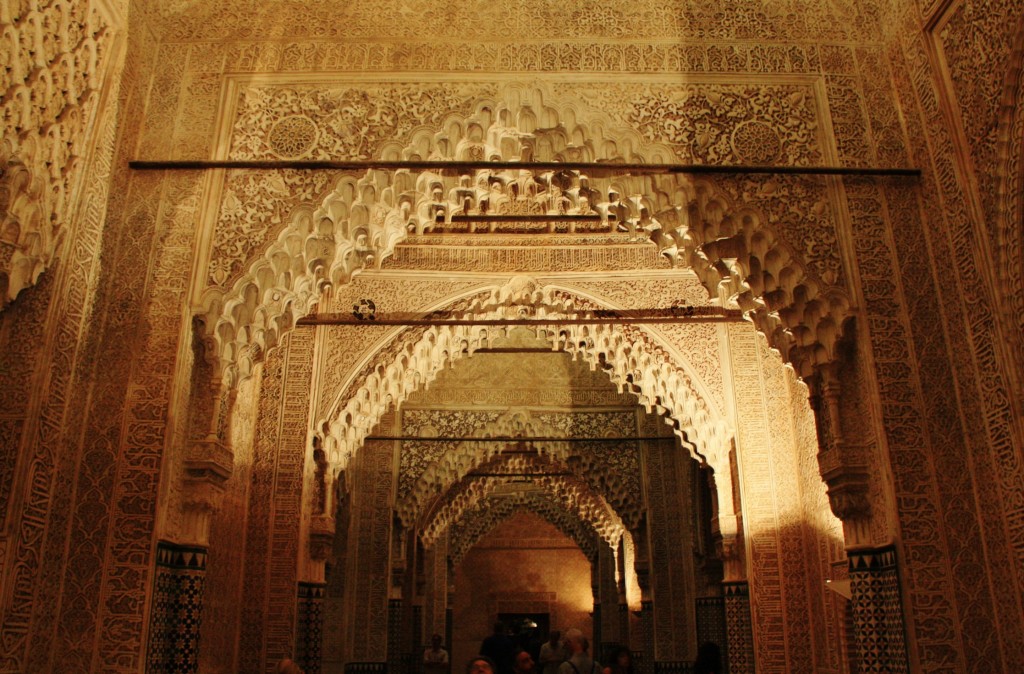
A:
x,y
595,168
600,318
417,438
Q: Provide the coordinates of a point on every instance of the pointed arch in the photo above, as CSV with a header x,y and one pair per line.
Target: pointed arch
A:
x,y
571,492
469,456
732,248
492,511
633,359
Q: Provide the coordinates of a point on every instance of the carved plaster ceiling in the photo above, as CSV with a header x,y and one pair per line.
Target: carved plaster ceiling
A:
x,y
646,20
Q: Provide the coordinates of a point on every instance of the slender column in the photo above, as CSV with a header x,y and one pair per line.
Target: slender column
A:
x,y
711,621
395,635
877,611
647,635
174,621
435,595
607,599
624,636
177,609
739,652
309,627
595,602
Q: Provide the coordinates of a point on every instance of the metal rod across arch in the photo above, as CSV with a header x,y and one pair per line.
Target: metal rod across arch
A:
x,y
592,168
364,316
417,438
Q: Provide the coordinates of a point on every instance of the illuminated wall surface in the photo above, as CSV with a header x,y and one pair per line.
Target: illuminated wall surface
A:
x,y
746,369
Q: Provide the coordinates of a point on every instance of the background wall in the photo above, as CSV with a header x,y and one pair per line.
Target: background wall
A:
x,y
523,565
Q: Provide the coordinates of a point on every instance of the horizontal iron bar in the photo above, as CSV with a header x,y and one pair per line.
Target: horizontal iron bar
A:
x,y
615,169
536,217
348,320
517,349
409,438
561,474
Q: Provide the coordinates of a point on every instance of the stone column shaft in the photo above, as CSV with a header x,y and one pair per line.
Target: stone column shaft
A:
x,y
177,609
877,611
739,651
309,627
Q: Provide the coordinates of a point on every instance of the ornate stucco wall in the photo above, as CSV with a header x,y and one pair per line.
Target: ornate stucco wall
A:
x,y
98,359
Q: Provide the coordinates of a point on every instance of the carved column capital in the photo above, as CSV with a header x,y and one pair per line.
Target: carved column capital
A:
x,y
208,466
847,488
730,551
321,537
209,460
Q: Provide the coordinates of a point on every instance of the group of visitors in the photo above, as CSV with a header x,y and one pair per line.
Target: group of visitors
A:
x,y
499,654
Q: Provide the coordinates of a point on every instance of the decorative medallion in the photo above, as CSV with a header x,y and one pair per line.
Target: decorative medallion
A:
x,y
293,136
756,142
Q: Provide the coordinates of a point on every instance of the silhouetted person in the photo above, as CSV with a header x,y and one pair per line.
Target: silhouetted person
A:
x,y
288,666
522,663
500,648
621,662
709,659
552,653
579,661
480,665
435,658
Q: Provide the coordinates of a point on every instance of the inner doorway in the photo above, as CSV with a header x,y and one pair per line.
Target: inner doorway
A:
x,y
528,630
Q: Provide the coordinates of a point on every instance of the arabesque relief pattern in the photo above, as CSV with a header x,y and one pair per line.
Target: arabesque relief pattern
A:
x,y
740,21
702,341
744,39
435,595
918,488
780,556
275,499
39,552
223,597
343,348
1010,246
669,500
368,576
975,350
978,42
822,532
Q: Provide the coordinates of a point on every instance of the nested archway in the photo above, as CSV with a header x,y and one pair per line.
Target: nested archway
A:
x,y
453,466
570,490
634,359
482,518
732,246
